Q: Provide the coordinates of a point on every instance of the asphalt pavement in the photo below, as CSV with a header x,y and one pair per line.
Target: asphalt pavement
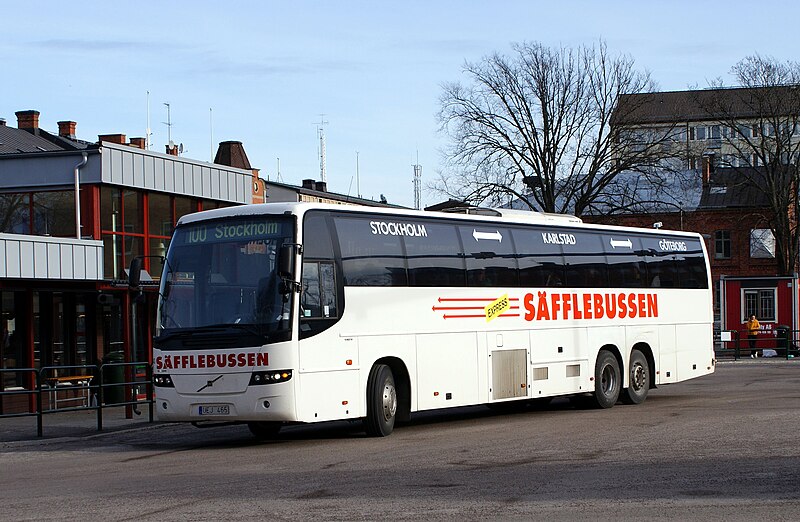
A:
x,y
71,424
83,423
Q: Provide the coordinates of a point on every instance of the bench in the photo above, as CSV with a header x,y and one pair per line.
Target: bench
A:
x,y
78,383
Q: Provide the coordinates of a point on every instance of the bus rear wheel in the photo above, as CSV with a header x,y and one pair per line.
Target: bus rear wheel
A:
x,y
607,380
381,402
638,379
264,430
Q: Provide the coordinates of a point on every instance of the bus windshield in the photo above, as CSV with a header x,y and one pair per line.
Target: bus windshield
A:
x,y
221,277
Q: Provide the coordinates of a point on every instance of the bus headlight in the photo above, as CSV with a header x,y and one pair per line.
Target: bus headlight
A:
x,y
163,381
270,377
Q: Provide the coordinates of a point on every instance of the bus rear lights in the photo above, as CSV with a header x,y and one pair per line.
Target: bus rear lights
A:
x,y
349,362
271,377
163,381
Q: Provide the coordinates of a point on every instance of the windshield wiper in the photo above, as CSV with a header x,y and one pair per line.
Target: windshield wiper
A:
x,y
186,333
250,328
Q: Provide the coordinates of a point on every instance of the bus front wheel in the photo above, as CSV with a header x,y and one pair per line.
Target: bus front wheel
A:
x,y
607,380
639,379
381,402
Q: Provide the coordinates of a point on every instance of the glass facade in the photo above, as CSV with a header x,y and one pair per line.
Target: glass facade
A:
x,y
135,223
38,213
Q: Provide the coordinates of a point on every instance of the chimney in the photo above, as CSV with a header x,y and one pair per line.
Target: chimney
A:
x,y
2,122
259,188
708,168
66,129
28,120
172,150
231,153
112,138
309,184
322,186
139,143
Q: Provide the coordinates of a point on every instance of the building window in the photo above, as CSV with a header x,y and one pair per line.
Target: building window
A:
x,y
722,244
762,243
697,133
759,302
40,213
122,223
700,133
54,214
15,213
126,232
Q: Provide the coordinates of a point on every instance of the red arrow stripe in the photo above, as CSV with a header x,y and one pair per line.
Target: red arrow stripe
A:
x,y
445,316
459,299
437,308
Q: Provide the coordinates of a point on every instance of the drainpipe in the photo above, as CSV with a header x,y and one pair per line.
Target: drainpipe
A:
x,y
795,290
78,168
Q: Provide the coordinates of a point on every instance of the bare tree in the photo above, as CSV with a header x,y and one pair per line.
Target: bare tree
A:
x,y
14,212
759,130
538,127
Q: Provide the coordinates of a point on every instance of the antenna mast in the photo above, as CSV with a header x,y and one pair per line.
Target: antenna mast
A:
x,y
168,123
358,178
147,132
321,133
417,184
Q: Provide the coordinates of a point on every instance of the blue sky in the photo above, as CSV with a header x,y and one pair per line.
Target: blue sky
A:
x,y
268,70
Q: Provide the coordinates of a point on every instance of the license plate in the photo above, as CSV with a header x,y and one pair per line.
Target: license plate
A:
x,y
215,409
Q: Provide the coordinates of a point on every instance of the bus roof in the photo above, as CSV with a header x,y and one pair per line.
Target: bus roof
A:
x,y
506,216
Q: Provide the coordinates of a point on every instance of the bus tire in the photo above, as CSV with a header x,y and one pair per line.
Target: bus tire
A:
x,y
607,380
638,379
381,402
264,430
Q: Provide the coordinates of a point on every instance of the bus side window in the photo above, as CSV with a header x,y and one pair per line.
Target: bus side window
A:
x,y
489,254
318,292
541,264
625,261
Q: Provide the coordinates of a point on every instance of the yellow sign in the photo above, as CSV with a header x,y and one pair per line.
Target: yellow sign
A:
x,y
497,307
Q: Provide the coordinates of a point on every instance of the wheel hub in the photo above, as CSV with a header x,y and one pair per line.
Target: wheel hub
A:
x,y
389,401
607,379
638,377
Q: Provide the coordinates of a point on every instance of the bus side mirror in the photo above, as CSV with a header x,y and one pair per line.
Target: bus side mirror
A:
x,y
287,261
135,272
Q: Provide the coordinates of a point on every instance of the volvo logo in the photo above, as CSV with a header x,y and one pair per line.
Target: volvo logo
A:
x,y
209,384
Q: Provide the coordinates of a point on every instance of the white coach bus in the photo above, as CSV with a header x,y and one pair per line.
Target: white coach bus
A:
x,y
298,313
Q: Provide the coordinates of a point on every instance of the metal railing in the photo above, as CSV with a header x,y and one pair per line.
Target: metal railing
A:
x,y
736,343
60,389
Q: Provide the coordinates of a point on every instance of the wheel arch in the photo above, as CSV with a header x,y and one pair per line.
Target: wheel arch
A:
x,y
617,355
647,351
402,383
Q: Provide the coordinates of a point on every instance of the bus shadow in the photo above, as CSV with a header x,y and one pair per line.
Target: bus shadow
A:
x,y
239,436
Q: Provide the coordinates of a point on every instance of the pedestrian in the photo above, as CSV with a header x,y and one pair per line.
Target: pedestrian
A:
x,y
753,327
